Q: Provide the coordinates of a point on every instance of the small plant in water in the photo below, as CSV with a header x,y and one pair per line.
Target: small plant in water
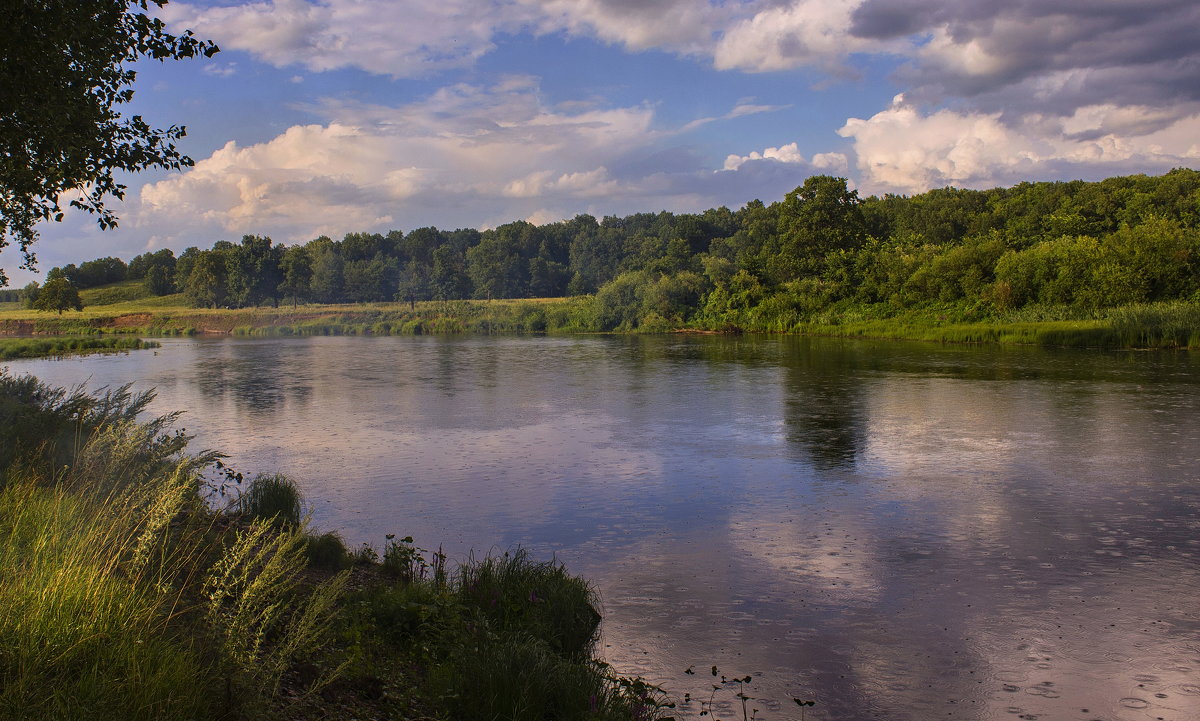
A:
x,y
740,684
803,703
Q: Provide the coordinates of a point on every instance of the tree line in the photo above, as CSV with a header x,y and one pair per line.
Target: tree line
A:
x,y
1089,244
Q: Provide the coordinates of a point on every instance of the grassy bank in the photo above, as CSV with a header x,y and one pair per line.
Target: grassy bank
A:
x,y
130,588
11,348
1173,324
1170,325
167,315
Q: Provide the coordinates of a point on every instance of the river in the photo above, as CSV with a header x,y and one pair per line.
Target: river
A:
x,y
896,531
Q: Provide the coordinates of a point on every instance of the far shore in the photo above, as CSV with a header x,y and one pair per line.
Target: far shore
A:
x,y
1141,327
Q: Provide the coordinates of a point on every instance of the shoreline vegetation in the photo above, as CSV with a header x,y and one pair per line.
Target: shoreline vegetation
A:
x,y
52,347
145,581
1109,264
1163,325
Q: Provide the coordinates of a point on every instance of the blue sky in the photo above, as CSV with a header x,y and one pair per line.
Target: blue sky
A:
x,y
333,116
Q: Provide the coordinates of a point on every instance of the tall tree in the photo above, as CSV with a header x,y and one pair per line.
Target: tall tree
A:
x,y
205,286
252,271
61,135
296,266
58,294
818,217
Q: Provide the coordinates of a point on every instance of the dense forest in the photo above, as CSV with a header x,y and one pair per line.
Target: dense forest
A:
x,y
1081,245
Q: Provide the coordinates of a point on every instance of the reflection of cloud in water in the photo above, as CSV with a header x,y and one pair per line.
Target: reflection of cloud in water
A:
x,y
839,561
1017,532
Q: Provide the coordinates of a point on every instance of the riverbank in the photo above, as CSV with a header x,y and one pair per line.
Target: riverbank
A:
x,y
1154,325
12,348
143,581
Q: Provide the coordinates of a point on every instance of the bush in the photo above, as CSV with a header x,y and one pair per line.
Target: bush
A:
x,y
272,497
516,594
327,551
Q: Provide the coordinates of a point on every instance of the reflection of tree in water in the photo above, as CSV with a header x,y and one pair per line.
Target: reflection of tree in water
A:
x,y
257,377
823,403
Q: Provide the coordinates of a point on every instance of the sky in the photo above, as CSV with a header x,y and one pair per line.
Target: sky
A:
x,y
336,116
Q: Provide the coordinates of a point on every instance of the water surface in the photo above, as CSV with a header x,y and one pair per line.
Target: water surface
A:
x,y
898,531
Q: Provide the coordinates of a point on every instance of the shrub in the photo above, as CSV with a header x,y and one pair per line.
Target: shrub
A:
x,y
516,594
272,497
327,551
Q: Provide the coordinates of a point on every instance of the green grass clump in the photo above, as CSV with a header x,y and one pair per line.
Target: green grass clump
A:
x,y
1157,325
11,348
124,594
84,631
506,637
540,598
328,550
272,497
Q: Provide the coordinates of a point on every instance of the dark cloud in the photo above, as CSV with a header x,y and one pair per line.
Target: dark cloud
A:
x,y
1103,51
674,160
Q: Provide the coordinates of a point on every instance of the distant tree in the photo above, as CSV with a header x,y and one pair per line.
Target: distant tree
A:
x,y
547,278
821,216
101,271
420,244
159,281
29,293
58,294
252,272
183,266
362,246
205,286
327,268
141,264
60,133
499,264
448,279
414,283
367,281
296,267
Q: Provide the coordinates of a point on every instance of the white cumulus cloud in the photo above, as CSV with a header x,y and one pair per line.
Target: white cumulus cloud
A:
x,y
465,155
790,153
380,36
909,150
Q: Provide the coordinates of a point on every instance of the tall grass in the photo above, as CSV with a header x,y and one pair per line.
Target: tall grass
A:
x,y
1173,324
506,637
122,595
272,497
11,348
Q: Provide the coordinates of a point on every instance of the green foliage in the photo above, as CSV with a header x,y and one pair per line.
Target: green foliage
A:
x,y
61,133
58,295
328,551
820,257
141,265
505,637
250,597
119,292
206,283
159,281
273,498
53,347
514,592
84,628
